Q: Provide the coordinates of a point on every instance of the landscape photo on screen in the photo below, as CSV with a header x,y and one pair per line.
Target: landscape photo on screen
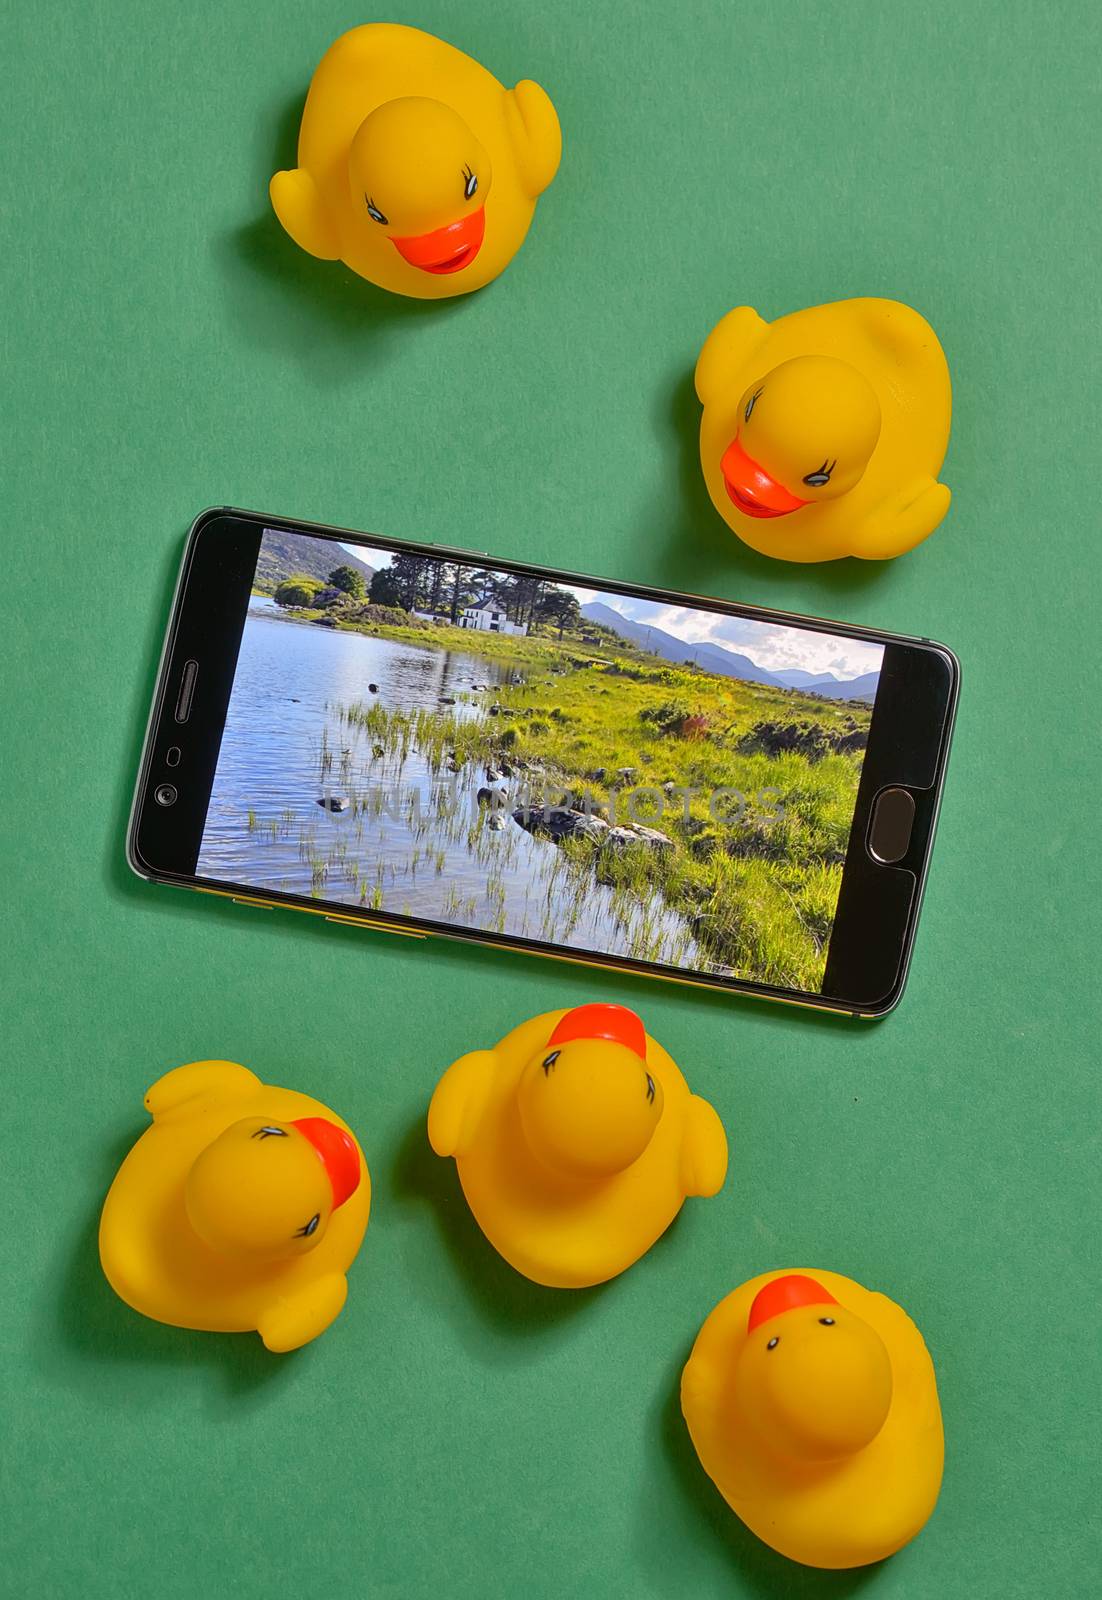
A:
x,y
503,753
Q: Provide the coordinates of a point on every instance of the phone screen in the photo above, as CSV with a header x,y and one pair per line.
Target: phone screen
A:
x,y
506,754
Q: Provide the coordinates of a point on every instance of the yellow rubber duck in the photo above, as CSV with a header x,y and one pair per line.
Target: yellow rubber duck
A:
x,y
577,1141
240,1208
812,1405
823,432
416,167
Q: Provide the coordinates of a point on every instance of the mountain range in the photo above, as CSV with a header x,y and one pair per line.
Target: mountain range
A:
x,y
288,555
862,688
728,663
797,678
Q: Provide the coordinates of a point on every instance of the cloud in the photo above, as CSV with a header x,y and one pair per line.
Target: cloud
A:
x,y
774,646
374,558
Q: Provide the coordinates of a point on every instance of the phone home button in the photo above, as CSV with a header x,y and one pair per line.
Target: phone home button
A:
x,y
893,815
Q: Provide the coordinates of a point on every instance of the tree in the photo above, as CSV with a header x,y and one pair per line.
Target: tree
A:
x,y
410,572
530,595
484,585
464,590
350,580
562,607
297,591
438,574
513,595
385,590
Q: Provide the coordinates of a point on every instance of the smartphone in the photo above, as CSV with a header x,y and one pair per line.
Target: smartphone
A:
x,y
436,742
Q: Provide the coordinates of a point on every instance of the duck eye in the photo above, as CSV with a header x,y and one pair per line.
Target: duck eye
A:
x,y
549,1061
470,184
309,1228
826,1322
373,211
269,1133
821,475
774,1342
754,398
650,1088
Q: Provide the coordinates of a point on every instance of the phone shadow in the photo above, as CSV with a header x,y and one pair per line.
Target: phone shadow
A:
x,y
120,881
636,990
318,314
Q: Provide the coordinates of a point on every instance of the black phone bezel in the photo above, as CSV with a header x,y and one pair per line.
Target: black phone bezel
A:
x,y
874,927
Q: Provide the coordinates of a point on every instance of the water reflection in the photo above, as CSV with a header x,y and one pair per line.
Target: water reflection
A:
x,y
397,831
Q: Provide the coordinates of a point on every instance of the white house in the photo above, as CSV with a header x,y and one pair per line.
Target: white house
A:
x,y
489,620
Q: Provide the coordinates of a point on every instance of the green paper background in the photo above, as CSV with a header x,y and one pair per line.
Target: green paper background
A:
x,y
461,1432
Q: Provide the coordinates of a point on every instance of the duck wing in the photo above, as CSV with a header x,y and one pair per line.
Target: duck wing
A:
x,y
199,1080
703,1150
459,1101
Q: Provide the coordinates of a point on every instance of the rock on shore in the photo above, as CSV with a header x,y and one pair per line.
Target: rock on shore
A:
x,y
559,823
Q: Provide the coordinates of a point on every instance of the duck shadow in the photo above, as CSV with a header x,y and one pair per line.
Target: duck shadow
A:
x,y
319,314
759,1569
514,1306
698,543
95,1343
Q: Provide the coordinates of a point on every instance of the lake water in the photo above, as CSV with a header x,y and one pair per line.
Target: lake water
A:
x,y
412,838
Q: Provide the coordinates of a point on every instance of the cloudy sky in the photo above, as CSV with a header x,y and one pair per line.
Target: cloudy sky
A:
x,y
768,644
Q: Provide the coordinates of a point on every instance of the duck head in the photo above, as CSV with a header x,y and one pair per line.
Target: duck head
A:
x,y
588,1104
420,178
266,1190
812,1379
805,433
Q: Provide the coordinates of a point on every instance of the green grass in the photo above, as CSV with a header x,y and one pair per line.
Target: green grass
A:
x,y
758,889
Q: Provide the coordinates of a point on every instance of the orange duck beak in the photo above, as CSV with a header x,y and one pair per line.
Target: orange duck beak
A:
x,y
445,249
789,1293
337,1153
751,487
601,1020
